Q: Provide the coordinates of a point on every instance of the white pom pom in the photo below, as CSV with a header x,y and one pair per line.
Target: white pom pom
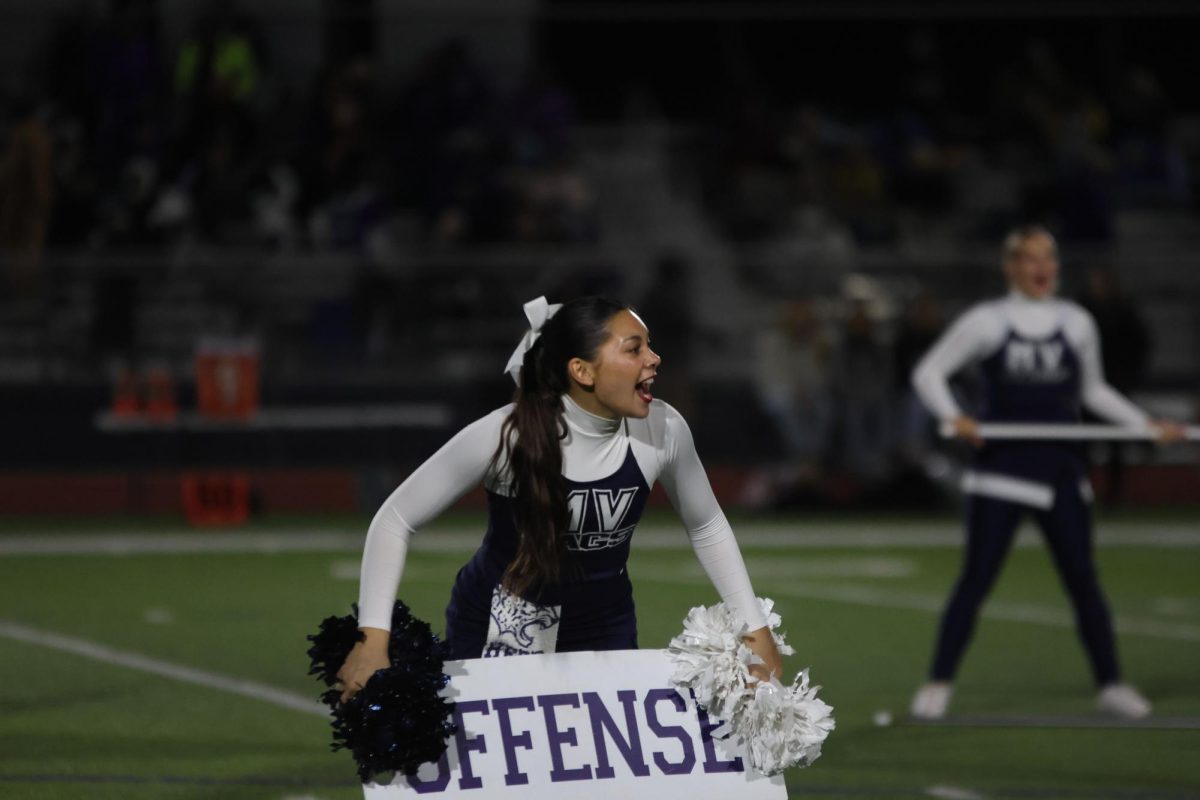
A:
x,y
784,727
711,659
778,727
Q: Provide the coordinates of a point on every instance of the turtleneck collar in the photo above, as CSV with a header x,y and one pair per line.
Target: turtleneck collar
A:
x,y
587,423
1017,296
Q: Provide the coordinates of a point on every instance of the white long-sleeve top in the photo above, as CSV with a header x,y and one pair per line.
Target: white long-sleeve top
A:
x,y
984,327
594,448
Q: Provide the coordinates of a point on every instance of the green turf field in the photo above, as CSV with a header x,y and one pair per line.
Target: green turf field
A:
x,y
861,612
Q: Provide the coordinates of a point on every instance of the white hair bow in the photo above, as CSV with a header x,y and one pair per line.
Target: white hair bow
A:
x,y
537,311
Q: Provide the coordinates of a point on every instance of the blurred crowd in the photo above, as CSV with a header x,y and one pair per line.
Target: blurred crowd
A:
x,y
1068,143
127,144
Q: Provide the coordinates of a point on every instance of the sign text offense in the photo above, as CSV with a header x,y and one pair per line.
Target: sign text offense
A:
x,y
628,733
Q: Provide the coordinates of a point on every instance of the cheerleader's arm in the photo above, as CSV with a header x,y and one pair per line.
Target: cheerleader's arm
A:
x,y
971,337
1097,394
712,538
456,468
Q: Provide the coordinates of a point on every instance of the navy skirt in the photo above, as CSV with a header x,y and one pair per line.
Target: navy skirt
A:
x,y
593,613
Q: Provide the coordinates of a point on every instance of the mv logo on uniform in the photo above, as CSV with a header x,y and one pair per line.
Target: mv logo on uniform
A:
x,y
1035,362
598,518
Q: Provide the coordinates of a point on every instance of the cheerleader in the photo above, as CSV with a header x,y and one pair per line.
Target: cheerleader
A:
x,y
1040,359
567,468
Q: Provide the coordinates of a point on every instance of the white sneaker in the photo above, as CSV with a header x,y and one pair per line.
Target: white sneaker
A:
x,y
1122,700
931,700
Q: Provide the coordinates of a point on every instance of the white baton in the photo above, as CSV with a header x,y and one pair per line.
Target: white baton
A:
x,y
997,431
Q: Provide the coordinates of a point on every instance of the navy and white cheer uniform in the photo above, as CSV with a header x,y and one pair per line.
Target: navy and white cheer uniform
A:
x,y
609,467
1040,362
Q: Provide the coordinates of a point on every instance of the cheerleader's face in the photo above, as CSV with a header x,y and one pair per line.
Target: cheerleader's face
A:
x,y
1032,268
617,382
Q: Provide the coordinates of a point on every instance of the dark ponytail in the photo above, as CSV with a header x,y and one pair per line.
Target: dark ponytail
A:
x,y
530,451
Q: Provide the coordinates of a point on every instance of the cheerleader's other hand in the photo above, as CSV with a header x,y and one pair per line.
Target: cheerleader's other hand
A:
x,y
763,645
368,656
1168,432
967,428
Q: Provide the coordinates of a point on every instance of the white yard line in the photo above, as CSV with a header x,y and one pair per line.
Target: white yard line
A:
x,y
944,792
867,536
184,543
1058,721
823,567
165,669
933,604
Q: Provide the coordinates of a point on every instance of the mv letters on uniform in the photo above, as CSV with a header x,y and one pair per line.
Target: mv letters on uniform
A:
x,y
1034,362
607,510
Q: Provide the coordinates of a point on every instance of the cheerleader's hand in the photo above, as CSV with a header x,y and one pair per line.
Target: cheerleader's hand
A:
x,y
968,429
368,657
762,644
1168,432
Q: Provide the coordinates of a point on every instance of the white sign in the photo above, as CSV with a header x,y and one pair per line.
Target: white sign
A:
x,y
571,726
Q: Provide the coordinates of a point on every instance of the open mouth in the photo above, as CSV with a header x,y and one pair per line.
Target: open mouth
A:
x,y
643,390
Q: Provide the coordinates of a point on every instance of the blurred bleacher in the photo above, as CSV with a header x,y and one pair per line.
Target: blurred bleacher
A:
x,y
373,224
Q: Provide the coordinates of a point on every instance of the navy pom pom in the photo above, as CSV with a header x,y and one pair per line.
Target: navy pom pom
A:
x,y
399,720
